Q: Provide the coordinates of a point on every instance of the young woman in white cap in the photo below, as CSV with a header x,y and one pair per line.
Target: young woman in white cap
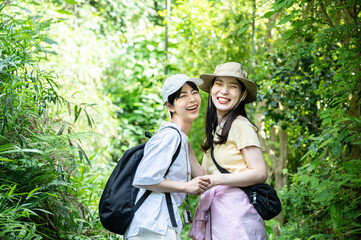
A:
x,y
156,218
224,211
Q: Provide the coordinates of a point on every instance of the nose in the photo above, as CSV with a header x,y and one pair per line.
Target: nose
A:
x,y
193,99
224,89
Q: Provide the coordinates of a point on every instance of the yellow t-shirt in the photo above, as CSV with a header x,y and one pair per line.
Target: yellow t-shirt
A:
x,y
228,155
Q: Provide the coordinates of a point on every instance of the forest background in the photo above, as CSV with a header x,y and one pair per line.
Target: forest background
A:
x,y
80,82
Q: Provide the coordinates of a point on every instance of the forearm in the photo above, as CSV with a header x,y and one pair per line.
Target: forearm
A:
x,y
242,179
195,187
167,186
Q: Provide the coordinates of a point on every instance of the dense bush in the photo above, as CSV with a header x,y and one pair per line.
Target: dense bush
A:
x,y
41,155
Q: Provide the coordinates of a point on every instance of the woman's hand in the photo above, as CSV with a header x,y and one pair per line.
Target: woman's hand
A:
x,y
213,180
197,185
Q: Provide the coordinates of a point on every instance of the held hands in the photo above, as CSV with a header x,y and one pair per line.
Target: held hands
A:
x,y
198,185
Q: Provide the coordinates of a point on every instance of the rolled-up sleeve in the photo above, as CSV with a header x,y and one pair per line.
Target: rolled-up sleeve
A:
x,y
158,154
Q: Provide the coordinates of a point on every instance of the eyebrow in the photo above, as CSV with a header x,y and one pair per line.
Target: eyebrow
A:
x,y
187,91
231,82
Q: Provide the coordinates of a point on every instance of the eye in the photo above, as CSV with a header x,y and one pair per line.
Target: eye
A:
x,y
182,96
195,92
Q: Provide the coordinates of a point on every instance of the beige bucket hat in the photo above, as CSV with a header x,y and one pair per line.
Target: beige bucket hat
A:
x,y
230,69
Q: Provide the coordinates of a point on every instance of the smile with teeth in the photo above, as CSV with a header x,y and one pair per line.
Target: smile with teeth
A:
x,y
191,108
221,99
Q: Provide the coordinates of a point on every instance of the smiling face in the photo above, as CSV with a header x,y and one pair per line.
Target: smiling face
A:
x,y
186,106
225,94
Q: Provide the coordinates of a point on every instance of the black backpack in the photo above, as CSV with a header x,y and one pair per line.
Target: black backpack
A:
x,y
117,203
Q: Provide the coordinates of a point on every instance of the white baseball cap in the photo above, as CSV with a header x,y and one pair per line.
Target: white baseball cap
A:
x,y
175,82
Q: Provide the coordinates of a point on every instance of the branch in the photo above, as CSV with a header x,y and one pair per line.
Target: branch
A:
x,y
328,19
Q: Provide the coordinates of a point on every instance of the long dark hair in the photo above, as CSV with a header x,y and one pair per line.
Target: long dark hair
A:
x,y
212,121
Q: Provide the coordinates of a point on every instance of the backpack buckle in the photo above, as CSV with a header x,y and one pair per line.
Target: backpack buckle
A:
x,y
254,197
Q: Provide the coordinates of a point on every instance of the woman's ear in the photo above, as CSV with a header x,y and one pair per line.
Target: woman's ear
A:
x,y
244,95
169,107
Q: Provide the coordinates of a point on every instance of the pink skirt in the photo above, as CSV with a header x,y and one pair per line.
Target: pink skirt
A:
x,y
225,212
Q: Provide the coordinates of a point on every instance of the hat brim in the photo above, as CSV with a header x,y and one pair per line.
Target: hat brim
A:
x,y
251,87
196,81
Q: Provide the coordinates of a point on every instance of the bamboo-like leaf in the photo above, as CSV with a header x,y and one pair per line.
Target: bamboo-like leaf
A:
x,y
4,125
77,111
279,4
6,147
268,14
4,23
69,108
8,105
53,195
336,215
243,29
288,34
12,189
285,19
70,143
50,41
62,11
30,194
71,2
51,162
82,153
88,118
61,130
23,140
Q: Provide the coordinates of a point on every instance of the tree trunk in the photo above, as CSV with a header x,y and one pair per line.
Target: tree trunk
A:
x,y
253,33
166,38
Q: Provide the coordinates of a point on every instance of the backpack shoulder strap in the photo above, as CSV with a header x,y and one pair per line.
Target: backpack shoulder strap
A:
x,y
222,170
167,195
177,151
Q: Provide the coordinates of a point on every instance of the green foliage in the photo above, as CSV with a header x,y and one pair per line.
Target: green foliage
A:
x,y
107,57
133,83
40,153
320,91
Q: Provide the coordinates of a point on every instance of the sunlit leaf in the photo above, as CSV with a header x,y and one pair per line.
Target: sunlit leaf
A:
x,y
71,1
50,41
12,189
268,14
62,11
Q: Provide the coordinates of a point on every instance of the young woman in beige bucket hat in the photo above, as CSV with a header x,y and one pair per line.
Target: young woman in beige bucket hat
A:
x,y
224,211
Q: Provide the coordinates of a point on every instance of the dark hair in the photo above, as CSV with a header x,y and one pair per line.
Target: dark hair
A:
x,y
174,96
212,121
